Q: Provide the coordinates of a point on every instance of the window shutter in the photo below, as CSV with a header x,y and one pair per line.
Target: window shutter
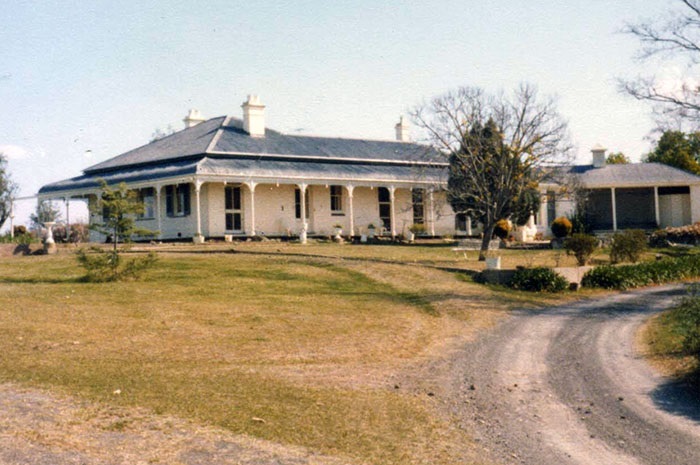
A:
x,y
186,198
169,201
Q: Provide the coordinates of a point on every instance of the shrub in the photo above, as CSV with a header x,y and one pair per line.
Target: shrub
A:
x,y
581,246
686,316
538,279
417,228
561,227
628,246
501,229
579,223
107,266
643,274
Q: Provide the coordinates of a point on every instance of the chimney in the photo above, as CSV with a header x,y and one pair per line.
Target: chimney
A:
x,y
598,156
254,116
193,118
402,131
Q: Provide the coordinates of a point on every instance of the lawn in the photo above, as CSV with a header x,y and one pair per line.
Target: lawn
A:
x,y
273,343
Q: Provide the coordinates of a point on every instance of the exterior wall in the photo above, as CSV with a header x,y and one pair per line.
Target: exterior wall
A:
x,y
694,204
444,216
181,226
274,210
674,210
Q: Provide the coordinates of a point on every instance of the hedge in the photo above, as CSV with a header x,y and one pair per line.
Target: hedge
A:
x,y
643,274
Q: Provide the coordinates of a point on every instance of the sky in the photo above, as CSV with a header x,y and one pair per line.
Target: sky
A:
x,y
83,81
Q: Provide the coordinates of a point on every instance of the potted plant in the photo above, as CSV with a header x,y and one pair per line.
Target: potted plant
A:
x,y
337,230
415,230
371,230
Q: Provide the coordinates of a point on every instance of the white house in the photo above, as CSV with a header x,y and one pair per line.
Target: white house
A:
x,y
228,176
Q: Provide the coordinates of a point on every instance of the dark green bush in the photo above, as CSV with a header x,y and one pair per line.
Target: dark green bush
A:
x,y
643,274
106,266
628,246
538,279
502,229
561,227
581,246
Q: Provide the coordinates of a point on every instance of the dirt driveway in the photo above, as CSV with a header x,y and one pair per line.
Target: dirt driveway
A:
x,y
565,386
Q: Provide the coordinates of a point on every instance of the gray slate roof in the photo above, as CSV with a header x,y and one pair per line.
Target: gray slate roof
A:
x,y
220,147
633,175
225,136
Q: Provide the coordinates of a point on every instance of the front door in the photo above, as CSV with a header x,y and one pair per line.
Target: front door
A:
x,y
233,210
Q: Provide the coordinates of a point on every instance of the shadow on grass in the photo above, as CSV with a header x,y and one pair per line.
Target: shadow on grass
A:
x,y
680,397
43,280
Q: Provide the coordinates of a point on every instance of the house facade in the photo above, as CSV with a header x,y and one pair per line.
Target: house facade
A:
x,y
226,176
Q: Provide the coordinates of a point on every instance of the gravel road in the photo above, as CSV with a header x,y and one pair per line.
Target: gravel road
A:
x,y
565,386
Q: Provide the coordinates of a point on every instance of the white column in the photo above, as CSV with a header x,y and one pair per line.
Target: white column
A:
x,y
158,211
657,215
431,212
614,208
351,211
251,188
469,226
302,202
392,198
67,200
197,189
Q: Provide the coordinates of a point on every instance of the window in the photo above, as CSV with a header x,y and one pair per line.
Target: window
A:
x,y
232,205
337,200
297,203
177,200
460,222
147,198
384,198
418,199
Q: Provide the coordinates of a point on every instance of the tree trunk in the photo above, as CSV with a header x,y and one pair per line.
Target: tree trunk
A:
x,y
488,234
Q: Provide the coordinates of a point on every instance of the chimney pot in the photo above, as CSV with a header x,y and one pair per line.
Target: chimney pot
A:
x,y
402,130
254,116
193,118
598,156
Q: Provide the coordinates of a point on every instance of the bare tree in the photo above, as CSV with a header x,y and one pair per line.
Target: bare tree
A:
x,y
499,147
678,36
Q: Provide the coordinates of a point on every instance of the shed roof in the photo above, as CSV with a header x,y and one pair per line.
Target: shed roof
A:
x,y
633,175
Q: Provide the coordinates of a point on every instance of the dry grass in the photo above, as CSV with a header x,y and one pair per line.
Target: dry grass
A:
x,y
214,338
291,349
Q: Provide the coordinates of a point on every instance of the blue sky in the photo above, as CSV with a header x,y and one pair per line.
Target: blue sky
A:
x,y
83,81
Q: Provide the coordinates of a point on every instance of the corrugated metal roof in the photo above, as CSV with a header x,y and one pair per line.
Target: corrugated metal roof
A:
x,y
310,171
153,172
259,170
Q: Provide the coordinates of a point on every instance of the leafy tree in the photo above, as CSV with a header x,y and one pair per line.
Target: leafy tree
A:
x,y
8,190
45,212
617,158
677,36
498,149
677,149
118,207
